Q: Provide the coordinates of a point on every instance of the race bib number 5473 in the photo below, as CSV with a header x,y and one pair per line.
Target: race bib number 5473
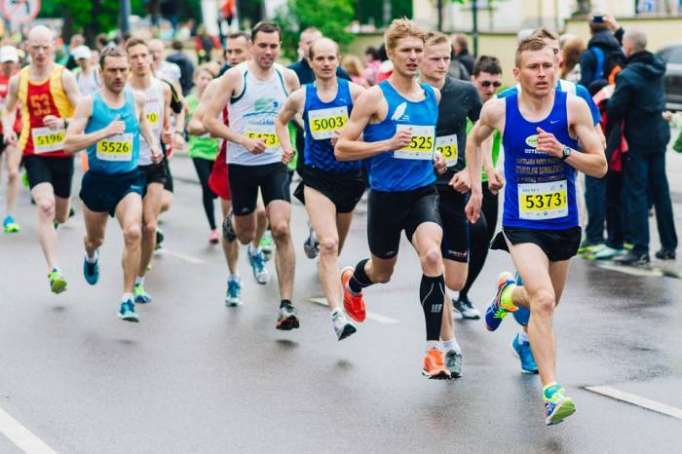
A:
x,y
421,144
540,201
266,133
324,122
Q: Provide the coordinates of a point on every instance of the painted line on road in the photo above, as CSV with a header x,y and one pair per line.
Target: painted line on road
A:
x,y
634,399
23,438
631,270
370,315
184,257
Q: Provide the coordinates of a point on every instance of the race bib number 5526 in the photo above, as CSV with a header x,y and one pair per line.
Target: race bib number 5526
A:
x,y
421,143
540,201
116,148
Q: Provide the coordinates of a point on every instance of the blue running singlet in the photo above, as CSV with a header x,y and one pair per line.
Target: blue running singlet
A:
x,y
119,153
411,167
321,120
540,190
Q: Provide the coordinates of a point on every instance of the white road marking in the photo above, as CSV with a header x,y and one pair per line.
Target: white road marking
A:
x,y
639,401
184,257
631,270
21,436
370,315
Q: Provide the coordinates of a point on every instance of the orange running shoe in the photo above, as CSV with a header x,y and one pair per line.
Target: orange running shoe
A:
x,y
434,365
353,303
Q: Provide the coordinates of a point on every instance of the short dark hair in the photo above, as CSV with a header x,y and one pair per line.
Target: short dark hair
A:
x,y
487,64
176,44
132,42
112,51
265,27
373,52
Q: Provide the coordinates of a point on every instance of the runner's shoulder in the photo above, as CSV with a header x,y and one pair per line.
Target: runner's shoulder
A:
x,y
493,109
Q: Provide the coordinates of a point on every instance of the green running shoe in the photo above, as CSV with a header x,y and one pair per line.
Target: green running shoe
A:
x,y
558,406
57,281
141,297
9,226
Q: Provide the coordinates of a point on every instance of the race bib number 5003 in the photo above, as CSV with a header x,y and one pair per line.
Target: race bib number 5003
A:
x,y
324,122
421,143
540,201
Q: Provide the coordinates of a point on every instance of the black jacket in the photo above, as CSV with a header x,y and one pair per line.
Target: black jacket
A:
x,y
608,42
639,100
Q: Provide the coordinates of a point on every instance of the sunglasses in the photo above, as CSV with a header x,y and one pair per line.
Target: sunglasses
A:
x,y
488,83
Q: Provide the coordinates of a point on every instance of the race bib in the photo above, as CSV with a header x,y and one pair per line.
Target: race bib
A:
x,y
324,122
421,144
46,140
447,147
540,201
153,118
116,148
266,133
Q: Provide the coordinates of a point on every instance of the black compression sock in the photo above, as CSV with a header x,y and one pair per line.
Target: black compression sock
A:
x,y
359,280
432,296
285,303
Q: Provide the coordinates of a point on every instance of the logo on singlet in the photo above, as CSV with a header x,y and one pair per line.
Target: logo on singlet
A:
x,y
532,142
266,105
399,113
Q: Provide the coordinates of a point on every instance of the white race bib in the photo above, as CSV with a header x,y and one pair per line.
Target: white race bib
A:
x,y
447,147
116,148
324,122
421,144
540,201
46,140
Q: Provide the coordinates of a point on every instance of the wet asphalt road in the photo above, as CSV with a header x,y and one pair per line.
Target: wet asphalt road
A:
x,y
197,377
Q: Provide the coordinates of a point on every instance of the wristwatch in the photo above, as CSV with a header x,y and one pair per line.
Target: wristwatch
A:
x,y
566,152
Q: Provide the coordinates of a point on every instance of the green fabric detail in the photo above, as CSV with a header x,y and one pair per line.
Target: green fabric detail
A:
x,y
497,141
204,147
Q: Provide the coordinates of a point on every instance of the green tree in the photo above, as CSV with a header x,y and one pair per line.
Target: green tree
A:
x,y
330,16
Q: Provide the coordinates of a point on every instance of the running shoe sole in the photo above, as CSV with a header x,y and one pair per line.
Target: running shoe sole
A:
x,y
348,330
440,375
58,287
561,412
232,303
129,318
287,324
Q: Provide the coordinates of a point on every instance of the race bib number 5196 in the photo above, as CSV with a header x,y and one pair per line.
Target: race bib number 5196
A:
x,y
46,140
540,201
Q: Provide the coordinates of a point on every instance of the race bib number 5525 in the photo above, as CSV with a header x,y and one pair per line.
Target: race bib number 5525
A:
x,y
421,144
540,201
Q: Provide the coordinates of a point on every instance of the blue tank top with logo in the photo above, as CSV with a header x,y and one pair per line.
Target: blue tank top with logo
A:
x,y
410,167
119,153
540,189
321,120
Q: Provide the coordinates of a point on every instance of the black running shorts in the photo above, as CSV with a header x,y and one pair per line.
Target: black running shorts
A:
x,y
558,245
56,171
245,181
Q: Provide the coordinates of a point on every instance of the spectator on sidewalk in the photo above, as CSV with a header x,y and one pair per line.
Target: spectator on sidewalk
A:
x,y
460,52
639,101
185,64
572,47
603,52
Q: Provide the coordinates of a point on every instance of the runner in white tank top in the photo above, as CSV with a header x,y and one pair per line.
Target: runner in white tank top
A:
x,y
256,91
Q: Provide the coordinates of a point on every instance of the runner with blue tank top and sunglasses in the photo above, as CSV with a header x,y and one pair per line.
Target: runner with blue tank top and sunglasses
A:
x,y
541,128
330,189
109,124
398,119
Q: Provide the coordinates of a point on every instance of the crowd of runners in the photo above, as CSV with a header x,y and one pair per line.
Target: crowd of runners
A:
x,y
422,144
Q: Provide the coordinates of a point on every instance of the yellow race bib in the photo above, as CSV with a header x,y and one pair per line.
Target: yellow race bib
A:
x,y
116,148
324,122
541,201
46,140
266,133
447,147
421,143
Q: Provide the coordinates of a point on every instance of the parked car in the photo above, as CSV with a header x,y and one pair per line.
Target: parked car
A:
x,y
672,55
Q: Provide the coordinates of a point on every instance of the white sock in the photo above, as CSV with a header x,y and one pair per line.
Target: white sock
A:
x,y
139,280
233,277
523,337
451,345
93,258
432,344
335,311
127,297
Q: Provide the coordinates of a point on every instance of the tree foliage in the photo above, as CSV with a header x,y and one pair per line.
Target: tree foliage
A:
x,y
330,16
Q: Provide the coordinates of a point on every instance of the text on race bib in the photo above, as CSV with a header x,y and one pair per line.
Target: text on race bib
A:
x,y
46,140
447,147
266,133
116,148
421,143
540,201
324,122
153,118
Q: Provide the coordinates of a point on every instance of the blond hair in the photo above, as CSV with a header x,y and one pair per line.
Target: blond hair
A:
x,y
531,44
435,38
399,29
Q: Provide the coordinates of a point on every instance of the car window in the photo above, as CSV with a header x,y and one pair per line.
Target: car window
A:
x,y
672,55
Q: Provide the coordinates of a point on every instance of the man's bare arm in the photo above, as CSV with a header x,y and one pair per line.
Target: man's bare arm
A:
x,y
293,106
76,139
9,114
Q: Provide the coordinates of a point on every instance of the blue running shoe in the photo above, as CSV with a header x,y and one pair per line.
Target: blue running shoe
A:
x,y
234,292
523,351
558,407
141,297
9,225
257,262
91,271
496,312
127,312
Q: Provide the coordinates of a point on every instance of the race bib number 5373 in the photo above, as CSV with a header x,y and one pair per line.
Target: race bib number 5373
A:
x,y
421,144
540,201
